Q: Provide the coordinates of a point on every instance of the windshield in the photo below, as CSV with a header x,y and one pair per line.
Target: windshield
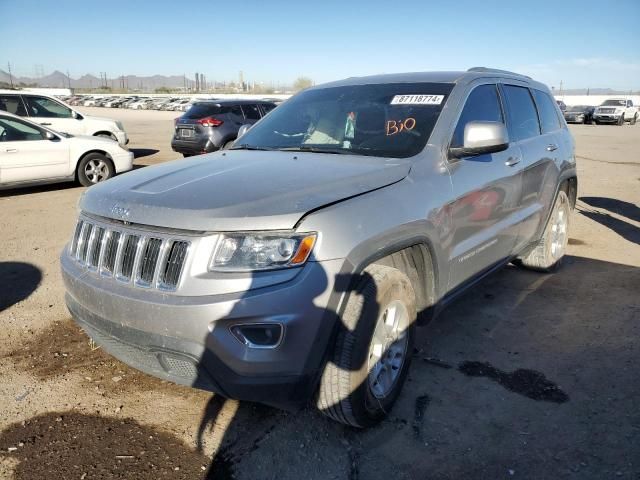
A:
x,y
387,120
577,108
614,103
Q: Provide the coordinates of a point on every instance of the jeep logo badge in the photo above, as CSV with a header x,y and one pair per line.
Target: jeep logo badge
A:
x,y
119,211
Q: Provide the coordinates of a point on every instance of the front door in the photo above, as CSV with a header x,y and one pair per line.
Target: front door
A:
x,y
27,155
487,190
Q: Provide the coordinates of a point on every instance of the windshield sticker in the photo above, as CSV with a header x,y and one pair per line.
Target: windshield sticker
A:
x,y
396,126
417,100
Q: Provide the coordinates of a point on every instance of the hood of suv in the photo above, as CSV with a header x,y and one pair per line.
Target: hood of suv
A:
x,y
239,190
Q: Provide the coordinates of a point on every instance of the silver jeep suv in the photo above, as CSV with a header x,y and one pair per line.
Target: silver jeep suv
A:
x,y
295,266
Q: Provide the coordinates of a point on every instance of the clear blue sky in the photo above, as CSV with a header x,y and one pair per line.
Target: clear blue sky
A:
x,y
584,43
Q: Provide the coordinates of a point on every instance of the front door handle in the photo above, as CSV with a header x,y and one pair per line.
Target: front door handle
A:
x,y
45,124
11,150
512,161
551,147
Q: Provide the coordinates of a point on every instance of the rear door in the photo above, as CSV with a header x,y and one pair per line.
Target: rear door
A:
x,y
26,155
52,114
487,188
534,125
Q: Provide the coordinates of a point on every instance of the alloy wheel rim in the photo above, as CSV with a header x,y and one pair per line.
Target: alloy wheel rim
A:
x,y
559,229
96,170
388,348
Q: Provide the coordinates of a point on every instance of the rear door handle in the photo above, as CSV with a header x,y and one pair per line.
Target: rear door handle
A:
x,y
45,124
512,161
551,147
11,150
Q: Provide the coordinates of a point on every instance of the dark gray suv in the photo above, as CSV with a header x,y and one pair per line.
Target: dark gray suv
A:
x,y
295,266
213,125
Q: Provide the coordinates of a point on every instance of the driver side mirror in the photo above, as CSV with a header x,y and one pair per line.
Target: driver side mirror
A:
x,y
244,129
50,136
76,115
482,138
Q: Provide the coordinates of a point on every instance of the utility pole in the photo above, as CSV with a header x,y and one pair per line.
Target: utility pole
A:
x,y
68,80
184,82
10,76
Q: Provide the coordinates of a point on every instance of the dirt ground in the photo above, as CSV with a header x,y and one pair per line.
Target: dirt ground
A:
x,y
527,376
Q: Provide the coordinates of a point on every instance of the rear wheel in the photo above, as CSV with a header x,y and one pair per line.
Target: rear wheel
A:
x,y
548,253
372,351
94,168
634,119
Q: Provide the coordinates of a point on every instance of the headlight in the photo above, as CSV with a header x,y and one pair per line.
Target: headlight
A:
x,y
243,252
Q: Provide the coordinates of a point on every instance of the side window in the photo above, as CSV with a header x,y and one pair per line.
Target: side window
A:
x,y
251,112
12,104
547,111
482,104
13,130
46,107
523,118
629,103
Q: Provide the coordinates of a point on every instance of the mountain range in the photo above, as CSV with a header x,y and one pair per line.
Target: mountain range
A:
x,y
58,79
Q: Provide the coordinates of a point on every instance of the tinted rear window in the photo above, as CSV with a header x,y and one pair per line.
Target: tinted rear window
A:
x,y
202,110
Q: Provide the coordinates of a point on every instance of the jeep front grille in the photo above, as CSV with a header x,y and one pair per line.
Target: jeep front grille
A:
x,y
145,259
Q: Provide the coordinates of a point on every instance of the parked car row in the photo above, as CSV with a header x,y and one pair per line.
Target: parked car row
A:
x,y
615,111
137,102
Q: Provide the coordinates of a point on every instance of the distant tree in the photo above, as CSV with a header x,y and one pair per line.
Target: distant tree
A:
x,y
163,90
301,83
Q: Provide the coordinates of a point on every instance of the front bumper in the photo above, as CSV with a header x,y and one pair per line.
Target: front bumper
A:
x,y
123,162
122,137
188,340
605,118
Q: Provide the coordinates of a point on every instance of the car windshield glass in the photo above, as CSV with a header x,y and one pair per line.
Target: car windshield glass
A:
x,y
387,120
576,108
614,103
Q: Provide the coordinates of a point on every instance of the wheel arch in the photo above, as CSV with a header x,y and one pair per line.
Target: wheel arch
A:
x,y
89,152
104,132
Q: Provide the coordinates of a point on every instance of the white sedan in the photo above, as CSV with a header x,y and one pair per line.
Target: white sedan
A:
x,y
32,154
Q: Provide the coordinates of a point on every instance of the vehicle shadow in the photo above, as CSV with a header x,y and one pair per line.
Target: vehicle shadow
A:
x,y
18,280
505,321
143,152
623,228
49,187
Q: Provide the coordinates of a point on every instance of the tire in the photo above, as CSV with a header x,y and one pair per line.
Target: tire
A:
x,y
634,119
621,120
548,253
348,391
94,168
596,122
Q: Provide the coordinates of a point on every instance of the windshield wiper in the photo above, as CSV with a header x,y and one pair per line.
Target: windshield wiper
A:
x,y
307,148
246,146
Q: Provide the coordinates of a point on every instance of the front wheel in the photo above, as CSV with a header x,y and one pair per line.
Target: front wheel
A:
x,y
621,120
634,119
548,253
370,358
94,168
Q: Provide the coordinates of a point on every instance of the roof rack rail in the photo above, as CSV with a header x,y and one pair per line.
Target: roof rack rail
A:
x,y
495,70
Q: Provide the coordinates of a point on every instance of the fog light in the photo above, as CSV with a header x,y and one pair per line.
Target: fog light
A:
x,y
259,335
